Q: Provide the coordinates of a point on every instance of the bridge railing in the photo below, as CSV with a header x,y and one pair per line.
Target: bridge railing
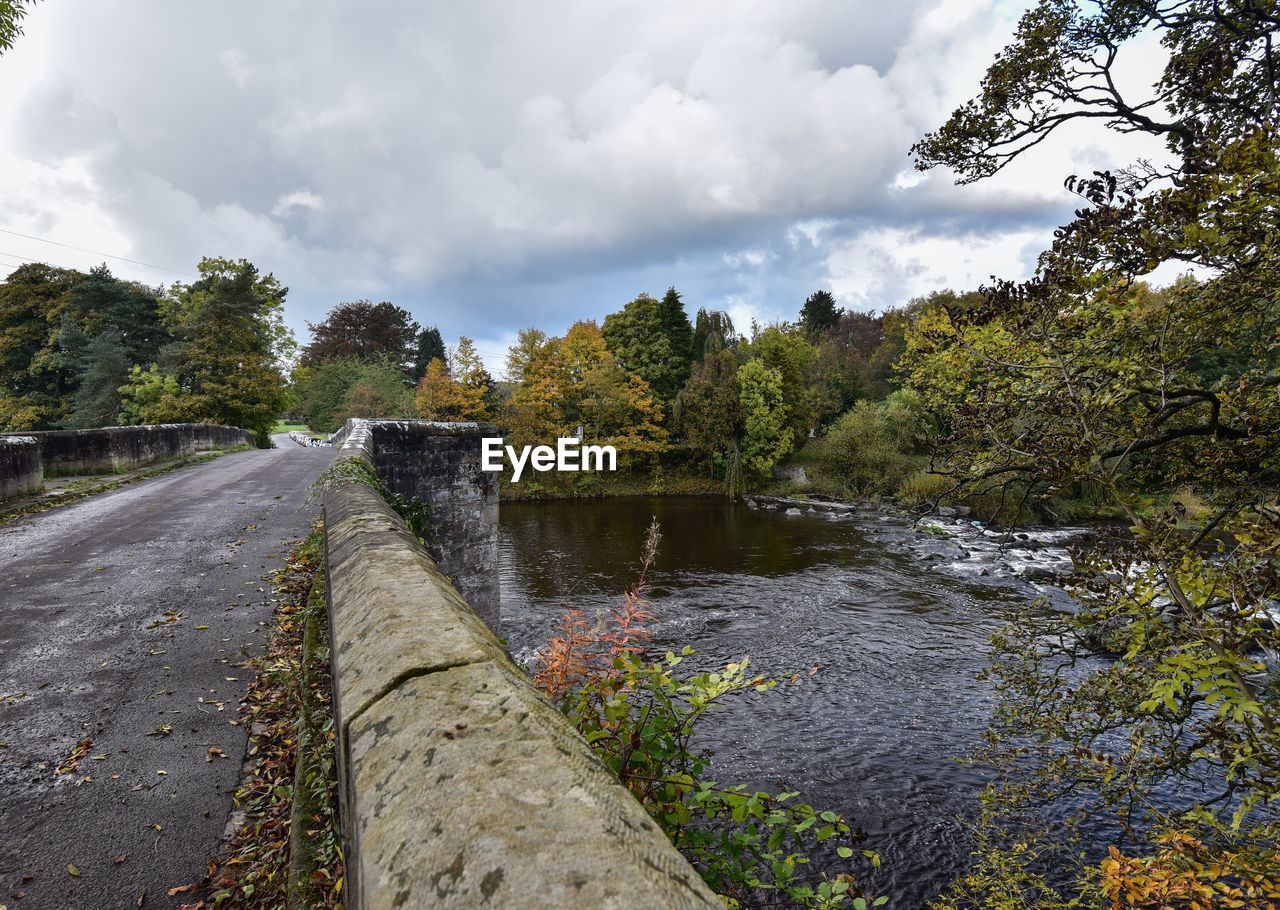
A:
x,y
460,785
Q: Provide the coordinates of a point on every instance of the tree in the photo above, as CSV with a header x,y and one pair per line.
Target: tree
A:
x,y
104,368
710,407
790,355
430,347
101,303
637,336
363,330
36,381
12,13
458,391
232,340
377,390
674,324
819,313
766,438
149,396
712,333
1150,703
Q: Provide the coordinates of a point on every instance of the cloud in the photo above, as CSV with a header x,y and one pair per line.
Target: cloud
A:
x,y
504,164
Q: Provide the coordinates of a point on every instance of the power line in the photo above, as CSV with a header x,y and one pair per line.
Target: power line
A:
x,y
94,252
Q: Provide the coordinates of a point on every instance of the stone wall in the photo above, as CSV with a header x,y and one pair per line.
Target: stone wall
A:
x,y
439,463
107,449
27,459
21,470
460,785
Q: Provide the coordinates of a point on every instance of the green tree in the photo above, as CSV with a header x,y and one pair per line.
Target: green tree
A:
x,y
232,342
36,379
149,396
712,333
766,437
430,346
104,368
819,313
710,408
12,12
1151,703
790,355
637,336
675,326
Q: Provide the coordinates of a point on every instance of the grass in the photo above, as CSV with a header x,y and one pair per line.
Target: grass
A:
x,y
283,427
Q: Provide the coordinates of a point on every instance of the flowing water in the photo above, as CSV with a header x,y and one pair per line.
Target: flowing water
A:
x,y
896,628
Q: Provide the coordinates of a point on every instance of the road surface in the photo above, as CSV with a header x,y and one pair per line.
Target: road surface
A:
x,y
119,615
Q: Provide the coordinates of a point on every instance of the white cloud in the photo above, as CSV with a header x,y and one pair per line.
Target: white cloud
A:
x,y
886,265
520,154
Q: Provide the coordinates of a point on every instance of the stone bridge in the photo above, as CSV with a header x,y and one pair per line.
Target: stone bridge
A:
x,y
460,785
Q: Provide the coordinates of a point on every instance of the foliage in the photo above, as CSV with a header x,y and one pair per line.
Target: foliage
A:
x,y
790,355
713,332
362,330
146,397
866,451
639,715
430,346
1156,704
710,407
49,318
104,368
819,313
440,396
231,344
573,383
766,438
652,339
11,15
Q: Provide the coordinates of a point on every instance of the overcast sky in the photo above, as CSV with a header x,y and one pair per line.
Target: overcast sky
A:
x,y
493,165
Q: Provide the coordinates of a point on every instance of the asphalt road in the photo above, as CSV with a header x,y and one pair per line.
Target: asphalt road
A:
x,y
120,614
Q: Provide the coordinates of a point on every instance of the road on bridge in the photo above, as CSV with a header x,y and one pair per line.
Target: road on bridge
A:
x,y
121,614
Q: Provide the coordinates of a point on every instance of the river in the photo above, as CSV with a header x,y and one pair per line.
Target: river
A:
x,y
895,621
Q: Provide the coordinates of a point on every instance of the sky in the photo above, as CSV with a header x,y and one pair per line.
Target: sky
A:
x,y
497,164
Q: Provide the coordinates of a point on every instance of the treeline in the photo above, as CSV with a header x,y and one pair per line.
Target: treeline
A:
x,y
663,389
90,349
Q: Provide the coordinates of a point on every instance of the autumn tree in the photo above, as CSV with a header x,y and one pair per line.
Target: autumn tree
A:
x,y
1155,703
458,391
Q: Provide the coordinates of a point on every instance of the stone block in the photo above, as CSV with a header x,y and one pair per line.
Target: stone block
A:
x,y
470,790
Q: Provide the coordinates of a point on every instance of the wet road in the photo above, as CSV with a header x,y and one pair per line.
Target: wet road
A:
x,y
121,615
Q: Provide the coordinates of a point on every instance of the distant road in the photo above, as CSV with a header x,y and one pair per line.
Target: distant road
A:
x,y
87,653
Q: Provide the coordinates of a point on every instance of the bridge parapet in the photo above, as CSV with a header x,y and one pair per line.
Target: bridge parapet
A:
x,y
461,786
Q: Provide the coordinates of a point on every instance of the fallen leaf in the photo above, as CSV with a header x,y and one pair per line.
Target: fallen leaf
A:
x,y
198,628
121,858
73,871
181,889
214,751
162,773
162,730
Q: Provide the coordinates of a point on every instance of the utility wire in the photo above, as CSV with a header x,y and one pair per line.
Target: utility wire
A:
x,y
94,252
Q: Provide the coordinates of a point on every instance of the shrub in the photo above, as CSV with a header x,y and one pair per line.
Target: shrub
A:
x,y
639,715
